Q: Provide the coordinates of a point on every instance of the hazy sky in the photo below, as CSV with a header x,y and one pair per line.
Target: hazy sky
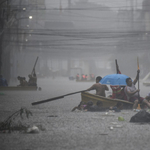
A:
x,y
115,4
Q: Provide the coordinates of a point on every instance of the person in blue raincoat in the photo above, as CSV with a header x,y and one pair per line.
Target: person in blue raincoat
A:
x,y
3,81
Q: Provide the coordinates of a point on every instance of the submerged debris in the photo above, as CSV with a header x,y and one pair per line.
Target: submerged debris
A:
x,y
13,122
33,129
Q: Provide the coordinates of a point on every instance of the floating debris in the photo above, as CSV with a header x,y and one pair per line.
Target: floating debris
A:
x,y
114,123
111,128
120,118
14,123
107,114
118,126
136,110
53,116
115,126
111,111
33,129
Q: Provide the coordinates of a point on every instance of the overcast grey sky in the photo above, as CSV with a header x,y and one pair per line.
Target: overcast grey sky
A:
x,y
115,4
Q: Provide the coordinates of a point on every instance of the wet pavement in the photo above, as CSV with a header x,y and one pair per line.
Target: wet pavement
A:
x,y
66,130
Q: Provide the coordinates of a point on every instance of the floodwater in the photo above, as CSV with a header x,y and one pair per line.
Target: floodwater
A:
x,y
66,130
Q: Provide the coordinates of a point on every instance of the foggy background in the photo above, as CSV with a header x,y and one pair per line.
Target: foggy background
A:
x,y
74,36
70,37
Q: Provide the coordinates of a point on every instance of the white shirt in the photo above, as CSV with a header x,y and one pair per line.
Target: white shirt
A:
x,y
131,88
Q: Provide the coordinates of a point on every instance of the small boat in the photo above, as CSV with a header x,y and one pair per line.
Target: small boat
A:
x,y
107,102
19,88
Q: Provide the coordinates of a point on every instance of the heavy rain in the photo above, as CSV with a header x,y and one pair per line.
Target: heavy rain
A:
x,y
58,40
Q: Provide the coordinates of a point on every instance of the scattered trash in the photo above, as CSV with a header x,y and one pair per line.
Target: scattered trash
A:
x,y
111,111
107,115
14,121
33,129
111,128
115,126
120,118
136,110
141,116
118,126
114,122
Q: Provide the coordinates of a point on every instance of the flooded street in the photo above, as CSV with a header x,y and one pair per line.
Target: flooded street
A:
x,y
66,130
58,40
